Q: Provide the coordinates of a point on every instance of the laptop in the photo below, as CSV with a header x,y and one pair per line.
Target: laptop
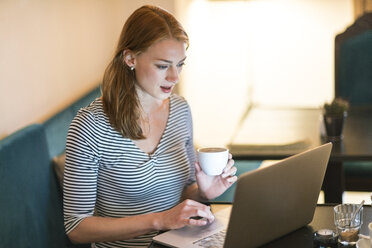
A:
x,y
269,202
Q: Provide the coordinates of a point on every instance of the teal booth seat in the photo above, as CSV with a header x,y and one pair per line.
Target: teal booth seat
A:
x,y
358,176
242,167
30,203
56,128
355,69
353,82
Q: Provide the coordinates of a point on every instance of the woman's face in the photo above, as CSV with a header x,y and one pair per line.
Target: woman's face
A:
x,y
158,68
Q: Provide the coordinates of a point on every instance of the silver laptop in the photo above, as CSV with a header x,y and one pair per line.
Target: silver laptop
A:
x,y
269,202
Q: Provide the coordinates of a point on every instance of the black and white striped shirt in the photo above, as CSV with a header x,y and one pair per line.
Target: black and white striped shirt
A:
x,y
108,175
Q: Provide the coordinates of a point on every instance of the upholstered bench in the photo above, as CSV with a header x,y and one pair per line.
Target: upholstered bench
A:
x,y
30,200
31,211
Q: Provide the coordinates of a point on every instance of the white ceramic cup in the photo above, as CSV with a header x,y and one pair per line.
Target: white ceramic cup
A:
x,y
213,160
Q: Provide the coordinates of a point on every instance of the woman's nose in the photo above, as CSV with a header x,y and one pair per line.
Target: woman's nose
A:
x,y
172,75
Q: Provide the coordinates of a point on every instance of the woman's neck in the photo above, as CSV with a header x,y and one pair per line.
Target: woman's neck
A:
x,y
150,104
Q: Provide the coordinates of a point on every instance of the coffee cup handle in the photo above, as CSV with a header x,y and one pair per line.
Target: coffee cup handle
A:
x,y
363,236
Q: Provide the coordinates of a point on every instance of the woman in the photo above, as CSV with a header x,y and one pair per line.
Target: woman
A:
x,y
130,162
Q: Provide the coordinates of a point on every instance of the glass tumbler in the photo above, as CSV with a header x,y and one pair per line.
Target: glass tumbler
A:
x,y
348,229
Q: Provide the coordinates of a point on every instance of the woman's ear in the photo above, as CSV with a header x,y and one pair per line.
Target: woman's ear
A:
x,y
129,58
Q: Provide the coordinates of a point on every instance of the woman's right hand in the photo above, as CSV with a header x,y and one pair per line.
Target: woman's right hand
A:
x,y
181,215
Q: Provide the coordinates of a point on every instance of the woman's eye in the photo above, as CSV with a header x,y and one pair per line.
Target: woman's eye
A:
x,y
181,64
162,67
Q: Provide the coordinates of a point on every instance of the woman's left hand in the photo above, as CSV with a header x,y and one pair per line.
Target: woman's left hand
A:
x,y
211,187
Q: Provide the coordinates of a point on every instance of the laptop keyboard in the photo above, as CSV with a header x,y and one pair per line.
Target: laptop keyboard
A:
x,y
213,241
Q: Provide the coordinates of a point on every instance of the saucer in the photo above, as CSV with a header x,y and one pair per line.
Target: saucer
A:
x,y
363,243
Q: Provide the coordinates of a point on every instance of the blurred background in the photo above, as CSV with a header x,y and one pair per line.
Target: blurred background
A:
x,y
266,52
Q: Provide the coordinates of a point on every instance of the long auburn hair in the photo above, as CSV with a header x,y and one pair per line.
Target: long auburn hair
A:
x,y
146,26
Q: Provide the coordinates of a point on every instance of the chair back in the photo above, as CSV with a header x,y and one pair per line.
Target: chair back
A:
x,y
353,62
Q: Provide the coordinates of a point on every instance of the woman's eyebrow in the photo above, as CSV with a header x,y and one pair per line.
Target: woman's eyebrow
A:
x,y
182,60
170,62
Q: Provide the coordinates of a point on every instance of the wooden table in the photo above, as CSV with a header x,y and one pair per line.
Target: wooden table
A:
x,y
303,237
276,133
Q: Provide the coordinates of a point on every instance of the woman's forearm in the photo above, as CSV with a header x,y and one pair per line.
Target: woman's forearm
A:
x,y
105,229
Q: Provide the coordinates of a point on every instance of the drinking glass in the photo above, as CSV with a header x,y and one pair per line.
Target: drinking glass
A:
x,y
348,228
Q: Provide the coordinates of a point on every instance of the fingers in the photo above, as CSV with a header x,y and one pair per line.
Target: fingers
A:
x,y
230,172
197,167
198,221
232,179
230,169
188,212
230,162
197,213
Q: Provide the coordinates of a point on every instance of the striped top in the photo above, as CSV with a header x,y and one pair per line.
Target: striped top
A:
x,y
108,175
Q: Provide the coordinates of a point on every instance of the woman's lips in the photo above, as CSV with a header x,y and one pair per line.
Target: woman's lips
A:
x,y
166,89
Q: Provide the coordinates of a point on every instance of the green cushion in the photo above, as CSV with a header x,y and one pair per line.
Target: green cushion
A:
x,y
86,100
242,167
56,128
30,201
355,69
362,169
355,85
